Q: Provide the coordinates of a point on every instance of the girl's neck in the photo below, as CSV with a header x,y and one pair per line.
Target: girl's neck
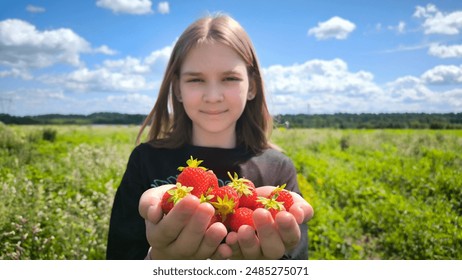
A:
x,y
214,141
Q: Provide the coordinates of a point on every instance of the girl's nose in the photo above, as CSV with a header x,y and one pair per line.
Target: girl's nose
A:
x,y
213,93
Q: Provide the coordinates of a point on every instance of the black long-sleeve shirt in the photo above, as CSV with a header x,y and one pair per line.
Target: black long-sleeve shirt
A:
x,y
150,167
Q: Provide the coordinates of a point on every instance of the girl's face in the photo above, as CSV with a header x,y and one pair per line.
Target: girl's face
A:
x,y
214,87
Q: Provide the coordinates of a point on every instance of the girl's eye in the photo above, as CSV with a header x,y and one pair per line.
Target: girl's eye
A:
x,y
232,79
195,80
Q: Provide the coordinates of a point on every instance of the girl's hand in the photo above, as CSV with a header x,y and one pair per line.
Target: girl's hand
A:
x,y
184,233
271,238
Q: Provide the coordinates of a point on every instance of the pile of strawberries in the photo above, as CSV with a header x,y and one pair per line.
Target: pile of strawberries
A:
x,y
234,203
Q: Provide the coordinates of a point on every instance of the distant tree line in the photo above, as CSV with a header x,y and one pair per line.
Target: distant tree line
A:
x,y
370,121
96,118
340,120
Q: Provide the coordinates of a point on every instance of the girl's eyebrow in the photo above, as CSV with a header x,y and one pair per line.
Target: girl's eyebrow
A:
x,y
231,72
192,73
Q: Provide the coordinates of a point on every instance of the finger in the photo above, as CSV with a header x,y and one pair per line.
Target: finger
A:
x,y
223,252
151,197
188,242
154,213
232,242
288,229
271,244
212,240
170,227
249,243
302,211
264,190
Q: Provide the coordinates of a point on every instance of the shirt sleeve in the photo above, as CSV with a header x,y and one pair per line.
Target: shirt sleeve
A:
x,y
127,231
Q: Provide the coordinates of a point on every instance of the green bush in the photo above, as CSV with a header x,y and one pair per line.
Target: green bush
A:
x,y
49,134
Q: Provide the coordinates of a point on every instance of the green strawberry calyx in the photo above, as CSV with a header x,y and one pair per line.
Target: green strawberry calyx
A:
x,y
270,203
239,184
277,190
178,192
192,162
224,205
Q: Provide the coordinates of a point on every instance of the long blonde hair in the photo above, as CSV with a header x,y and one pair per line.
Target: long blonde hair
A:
x,y
170,127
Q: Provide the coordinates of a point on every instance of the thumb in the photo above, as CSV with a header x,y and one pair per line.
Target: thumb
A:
x,y
150,203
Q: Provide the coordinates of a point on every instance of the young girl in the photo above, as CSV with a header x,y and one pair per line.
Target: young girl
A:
x,y
211,106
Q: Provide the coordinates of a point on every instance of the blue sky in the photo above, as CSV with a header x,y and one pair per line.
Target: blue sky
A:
x,y
351,56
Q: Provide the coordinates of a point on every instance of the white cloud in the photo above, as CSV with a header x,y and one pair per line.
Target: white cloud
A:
x,y
23,46
453,98
400,28
320,86
425,12
35,9
163,8
128,74
318,76
137,7
159,56
406,89
99,80
413,94
16,73
155,61
424,93
105,50
404,48
33,101
123,75
128,65
335,27
444,51
324,86
437,22
443,74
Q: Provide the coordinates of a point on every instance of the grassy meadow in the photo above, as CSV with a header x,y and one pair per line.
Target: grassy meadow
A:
x,y
377,194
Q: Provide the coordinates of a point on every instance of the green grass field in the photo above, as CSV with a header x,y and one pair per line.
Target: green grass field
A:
x,y
377,194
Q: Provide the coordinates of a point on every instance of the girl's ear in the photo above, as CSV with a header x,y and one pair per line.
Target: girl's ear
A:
x,y
176,89
178,97
252,89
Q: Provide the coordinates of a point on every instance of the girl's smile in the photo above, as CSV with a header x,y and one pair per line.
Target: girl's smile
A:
x,y
213,113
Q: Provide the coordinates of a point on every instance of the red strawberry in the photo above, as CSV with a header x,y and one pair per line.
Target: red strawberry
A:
x,y
270,204
245,189
242,216
213,180
225,200
197,177
173,196
283,195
